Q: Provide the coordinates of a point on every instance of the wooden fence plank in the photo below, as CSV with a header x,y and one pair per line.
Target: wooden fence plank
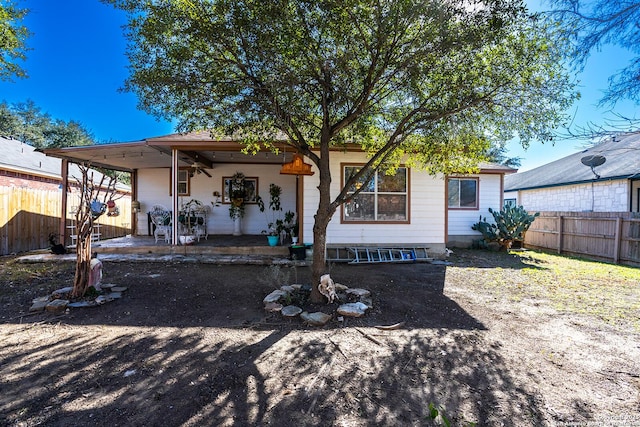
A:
x,y
28,216
613,236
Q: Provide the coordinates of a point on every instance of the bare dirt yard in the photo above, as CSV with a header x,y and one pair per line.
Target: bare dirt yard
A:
x,y
520,339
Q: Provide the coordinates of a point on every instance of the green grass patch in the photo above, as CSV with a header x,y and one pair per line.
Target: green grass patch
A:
x,y
608,292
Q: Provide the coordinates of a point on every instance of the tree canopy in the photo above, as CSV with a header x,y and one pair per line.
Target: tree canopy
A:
x,y
13,36
426,83
595,23
26,122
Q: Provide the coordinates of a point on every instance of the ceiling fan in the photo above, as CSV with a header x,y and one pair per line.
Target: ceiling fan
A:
x,y
198,168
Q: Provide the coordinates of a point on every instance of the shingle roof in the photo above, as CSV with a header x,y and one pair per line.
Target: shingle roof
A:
x,y
622,155
20,157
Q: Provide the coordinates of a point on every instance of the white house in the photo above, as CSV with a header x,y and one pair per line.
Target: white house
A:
x,y
411,208
603,178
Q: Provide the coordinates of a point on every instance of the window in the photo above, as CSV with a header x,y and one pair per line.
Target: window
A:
x,y
383,199
184,181
463,193
510,203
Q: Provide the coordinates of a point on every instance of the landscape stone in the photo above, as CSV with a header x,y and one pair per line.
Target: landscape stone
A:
x,y
61,292
118,288
108,286
287,288
274,296
353,309
114,295
340,287
296,287
57,305
81,304
273,307
315,319
368,301
39,304
103,299
358,292
291,311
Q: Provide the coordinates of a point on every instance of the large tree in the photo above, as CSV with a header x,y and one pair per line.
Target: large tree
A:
x,y
26,122
592,24
428,83
13,36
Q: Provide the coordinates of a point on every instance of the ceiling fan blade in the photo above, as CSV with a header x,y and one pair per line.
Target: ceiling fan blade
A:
x,y
206,173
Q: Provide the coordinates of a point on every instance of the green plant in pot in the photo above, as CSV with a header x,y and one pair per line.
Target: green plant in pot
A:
x,y
237,193
274,224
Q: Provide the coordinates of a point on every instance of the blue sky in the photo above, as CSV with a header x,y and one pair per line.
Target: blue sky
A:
x,y
77,64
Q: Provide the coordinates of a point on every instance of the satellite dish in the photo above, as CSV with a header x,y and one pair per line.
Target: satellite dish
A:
x,y
592,161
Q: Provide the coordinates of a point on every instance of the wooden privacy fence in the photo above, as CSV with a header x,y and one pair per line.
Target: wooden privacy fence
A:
x,y
28,216
611,236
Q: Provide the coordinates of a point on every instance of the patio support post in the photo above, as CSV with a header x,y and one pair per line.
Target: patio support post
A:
x,y
174,196
63,231
134,196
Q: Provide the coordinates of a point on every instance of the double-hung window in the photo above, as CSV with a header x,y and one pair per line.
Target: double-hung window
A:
x,y
184,181
462,193
384,198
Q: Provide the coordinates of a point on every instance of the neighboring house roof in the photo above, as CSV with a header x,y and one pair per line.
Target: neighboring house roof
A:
x,y
19,157
16,156
622,154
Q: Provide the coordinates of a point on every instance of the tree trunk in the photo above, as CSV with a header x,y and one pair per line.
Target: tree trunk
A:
x,y
83,260
322,218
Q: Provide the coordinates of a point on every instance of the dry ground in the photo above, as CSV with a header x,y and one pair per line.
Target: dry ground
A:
x,y
521,339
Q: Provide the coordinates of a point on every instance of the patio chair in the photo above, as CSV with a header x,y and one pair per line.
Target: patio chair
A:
x,y
161,218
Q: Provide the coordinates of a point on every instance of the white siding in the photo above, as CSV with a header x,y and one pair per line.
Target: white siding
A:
x,y
460,221
607,196
427,207
154,189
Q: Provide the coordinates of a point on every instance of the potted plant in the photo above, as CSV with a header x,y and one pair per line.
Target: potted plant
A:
x,y
274,225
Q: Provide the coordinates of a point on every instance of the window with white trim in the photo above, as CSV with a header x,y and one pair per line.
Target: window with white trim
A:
x,y
385,198
184,181
462,193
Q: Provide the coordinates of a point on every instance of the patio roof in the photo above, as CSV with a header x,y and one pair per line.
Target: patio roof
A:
x,y
156,152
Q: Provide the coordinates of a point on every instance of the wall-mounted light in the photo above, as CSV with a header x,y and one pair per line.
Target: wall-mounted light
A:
x,y
135,206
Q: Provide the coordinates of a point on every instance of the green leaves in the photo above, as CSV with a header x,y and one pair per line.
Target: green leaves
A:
x,y
399,76
509,224
13,36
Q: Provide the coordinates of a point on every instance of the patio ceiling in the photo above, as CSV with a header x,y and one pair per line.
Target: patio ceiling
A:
x,y
156,153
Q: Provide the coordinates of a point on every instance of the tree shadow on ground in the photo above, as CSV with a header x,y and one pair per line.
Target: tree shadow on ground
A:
x,y
195,347
187,377
482,258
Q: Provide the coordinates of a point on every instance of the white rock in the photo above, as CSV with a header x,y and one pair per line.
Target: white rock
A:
x,y
340,287
291,311
273,307
358,292
274,296
287,288
353,309
315,319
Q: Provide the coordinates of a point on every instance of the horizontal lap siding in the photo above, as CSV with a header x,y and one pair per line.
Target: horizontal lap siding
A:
x,y
426,211
153,189
460,221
